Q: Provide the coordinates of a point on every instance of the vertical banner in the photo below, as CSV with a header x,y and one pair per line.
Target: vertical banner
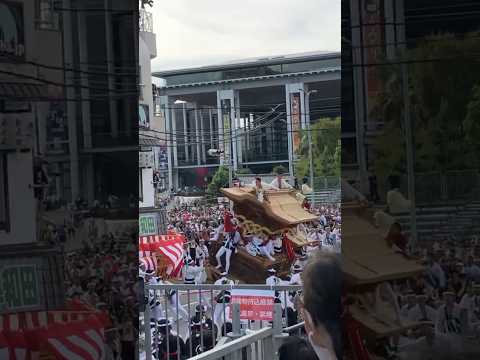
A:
x,y
226,114
296,123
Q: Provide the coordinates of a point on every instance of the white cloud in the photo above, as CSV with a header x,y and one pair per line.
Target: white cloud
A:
x,y
201,32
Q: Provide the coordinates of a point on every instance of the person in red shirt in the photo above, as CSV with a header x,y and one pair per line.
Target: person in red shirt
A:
x,y
229,227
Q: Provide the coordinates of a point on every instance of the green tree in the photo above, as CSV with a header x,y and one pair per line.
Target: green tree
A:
x,y
442,77
279,169
326,149
471,123
219,180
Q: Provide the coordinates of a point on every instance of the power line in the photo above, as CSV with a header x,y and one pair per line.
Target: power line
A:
x,y
50,82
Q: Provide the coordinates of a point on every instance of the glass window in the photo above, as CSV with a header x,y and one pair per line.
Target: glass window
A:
x,y
251,71
310,65
46,16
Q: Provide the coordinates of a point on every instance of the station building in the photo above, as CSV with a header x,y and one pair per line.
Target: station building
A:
x,y
251,110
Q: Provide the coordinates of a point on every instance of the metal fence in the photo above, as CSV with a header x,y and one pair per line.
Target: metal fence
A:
x,y
220,331
452,185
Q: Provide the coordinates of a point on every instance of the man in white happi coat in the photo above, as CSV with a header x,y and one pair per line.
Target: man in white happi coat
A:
x,y
264,246
222,299
229,246
280,184
174,303
296,276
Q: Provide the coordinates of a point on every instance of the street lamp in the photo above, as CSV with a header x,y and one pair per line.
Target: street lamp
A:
x,y
306,97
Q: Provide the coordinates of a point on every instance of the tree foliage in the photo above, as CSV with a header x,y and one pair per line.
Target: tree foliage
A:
x,y
219,180
279,169
326,149
444,106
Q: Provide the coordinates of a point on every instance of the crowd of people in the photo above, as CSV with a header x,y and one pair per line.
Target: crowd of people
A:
x,y
102,276
213,234
445,300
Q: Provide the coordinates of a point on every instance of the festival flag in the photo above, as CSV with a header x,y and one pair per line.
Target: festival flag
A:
x,y
169,246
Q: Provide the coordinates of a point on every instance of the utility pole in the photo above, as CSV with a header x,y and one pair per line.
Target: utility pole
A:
x,y
410,155
306,97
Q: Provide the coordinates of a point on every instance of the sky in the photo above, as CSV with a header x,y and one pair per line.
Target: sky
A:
x,y
206,32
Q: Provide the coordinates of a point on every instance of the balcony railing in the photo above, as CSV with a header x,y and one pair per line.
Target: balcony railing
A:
x,y
146,21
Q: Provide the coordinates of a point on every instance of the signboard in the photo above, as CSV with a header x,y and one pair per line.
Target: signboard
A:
x,y
226,108
19,287
147,225
12,37
144,116
146,159
254,304
296,123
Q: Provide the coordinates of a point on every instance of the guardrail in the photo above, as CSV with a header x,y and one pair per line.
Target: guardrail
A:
x,y
240,341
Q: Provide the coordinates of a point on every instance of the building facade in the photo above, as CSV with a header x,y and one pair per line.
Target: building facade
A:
x,y
148,142
31,111
251,110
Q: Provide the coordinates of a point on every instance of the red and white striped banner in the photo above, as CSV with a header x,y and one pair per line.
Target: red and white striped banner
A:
x,y
171,246
63,334
149,262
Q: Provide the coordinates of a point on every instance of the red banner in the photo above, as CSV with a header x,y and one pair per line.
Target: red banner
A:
x,y
254,304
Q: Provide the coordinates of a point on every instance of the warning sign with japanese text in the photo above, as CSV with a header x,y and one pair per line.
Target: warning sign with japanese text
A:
x,y
254,304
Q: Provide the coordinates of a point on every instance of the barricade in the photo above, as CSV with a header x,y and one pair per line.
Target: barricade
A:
x,y
270,306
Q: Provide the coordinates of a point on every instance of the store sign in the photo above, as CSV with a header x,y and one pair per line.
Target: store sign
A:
x,y
147,225
144,116
145,159
254,304
19,287
12,38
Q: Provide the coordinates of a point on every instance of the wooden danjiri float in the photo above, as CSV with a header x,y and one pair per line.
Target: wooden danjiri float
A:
x,y
279,214
369,264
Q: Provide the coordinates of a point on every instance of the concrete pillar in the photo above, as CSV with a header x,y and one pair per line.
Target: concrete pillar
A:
x,y
210,118
68,42
359,92
221,129
237,137
185,132
89,179
174,137
112,102
202,137
85,93
197,136
224,125
164,104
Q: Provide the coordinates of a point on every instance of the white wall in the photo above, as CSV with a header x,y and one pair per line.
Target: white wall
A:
x,y
22,204
148,189
146,76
